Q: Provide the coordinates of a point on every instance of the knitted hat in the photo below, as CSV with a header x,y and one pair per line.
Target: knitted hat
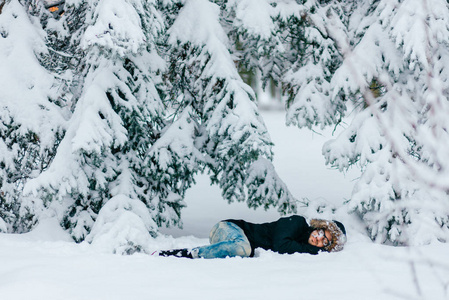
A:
x,y
337,231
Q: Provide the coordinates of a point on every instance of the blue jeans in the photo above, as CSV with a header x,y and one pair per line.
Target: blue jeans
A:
x,y
226,240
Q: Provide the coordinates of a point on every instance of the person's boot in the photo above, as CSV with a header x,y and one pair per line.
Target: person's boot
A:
x,y
176,252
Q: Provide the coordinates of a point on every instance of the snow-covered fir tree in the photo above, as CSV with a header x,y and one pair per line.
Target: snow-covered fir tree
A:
x,y
250,25
229,130
31,121
116,118
131,147
287,42
314,58
396,76
307,44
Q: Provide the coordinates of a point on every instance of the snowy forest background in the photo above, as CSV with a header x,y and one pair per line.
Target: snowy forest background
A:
x,y
110,110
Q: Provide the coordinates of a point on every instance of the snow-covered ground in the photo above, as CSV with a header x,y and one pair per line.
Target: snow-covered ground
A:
x,y
45,264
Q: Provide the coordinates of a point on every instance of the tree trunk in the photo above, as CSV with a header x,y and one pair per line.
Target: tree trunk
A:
x,y
2,3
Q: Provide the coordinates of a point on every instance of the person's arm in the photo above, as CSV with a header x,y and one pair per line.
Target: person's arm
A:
x,y
285,234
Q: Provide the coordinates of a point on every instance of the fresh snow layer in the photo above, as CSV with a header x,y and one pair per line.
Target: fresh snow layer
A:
x,y
40,267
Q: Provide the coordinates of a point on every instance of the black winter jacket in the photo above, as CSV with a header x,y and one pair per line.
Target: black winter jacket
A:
x,y
286,235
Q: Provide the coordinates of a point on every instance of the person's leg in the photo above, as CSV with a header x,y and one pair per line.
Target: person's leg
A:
x,y
227,240
175,252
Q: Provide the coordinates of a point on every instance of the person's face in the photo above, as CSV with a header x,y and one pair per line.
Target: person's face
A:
x,y
320,238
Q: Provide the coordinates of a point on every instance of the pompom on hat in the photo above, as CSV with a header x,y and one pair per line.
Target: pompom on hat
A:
x,y
338,231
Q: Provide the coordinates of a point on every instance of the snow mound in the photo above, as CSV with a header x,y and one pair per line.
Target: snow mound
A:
x,y
123,226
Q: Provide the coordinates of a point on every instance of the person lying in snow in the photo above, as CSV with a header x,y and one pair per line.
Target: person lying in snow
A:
x,y
292,234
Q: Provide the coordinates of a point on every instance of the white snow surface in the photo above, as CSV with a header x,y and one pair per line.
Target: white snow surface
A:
x,y
46,264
